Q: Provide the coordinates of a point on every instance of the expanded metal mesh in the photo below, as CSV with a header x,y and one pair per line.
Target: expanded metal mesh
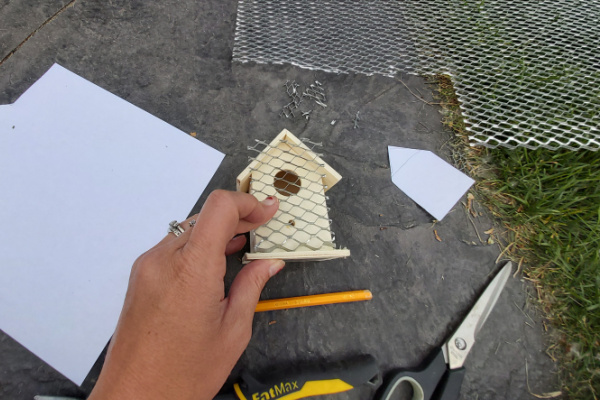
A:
x,y
294,175
526,73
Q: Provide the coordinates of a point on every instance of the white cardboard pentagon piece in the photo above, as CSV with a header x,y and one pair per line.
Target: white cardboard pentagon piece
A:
x,y
88,182
427,179
300,230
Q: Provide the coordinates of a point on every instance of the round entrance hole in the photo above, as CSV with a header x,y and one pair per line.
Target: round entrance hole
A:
x,y
287,183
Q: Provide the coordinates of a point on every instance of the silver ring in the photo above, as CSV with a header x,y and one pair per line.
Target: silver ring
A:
x,y
192,222
175,228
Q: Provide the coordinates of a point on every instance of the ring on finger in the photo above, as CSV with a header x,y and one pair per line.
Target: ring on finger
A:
x,y
175,228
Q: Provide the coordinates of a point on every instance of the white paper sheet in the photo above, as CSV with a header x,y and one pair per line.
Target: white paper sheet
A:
x,y
88,182
427,179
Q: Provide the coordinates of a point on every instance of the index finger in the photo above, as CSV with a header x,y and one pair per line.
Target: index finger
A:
x,y
226,214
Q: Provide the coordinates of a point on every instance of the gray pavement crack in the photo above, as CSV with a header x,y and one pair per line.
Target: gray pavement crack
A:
x,y
50,19
378,95
374,165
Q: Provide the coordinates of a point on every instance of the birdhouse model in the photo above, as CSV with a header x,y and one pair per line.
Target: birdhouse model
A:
x,y
289,169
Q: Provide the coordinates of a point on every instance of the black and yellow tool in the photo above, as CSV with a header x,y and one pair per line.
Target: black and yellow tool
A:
x,y
306,382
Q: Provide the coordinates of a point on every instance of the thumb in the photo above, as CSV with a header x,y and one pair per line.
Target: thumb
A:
x,y
246,287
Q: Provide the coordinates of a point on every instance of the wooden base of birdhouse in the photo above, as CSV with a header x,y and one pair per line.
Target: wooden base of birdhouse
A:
x,y
320,255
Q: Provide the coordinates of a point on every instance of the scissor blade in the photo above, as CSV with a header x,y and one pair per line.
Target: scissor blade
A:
x,y
458,346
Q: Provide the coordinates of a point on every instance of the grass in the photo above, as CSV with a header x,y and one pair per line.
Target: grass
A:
x,y
549,201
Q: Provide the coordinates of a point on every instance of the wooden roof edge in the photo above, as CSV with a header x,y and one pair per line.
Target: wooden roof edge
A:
x,y
331,175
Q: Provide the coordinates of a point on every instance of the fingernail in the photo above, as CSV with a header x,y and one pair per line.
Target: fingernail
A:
x,y
276,267
238,237
269,201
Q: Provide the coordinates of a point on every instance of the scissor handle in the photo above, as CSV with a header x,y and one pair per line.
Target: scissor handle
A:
x,y
418,393
424,380
449,387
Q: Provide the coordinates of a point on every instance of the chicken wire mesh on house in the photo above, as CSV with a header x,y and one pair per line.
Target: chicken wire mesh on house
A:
x,y
294,175
525,73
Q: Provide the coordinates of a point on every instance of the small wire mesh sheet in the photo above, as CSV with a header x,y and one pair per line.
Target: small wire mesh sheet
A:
x,y
294,175
525,73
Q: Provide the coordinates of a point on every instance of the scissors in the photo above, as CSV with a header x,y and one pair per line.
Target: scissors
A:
x,y
441,375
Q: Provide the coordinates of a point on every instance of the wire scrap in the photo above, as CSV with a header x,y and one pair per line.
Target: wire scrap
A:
x,y
356,119
315,92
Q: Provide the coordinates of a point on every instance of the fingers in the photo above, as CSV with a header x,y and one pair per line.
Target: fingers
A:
x,y
226,214
245,291
235,244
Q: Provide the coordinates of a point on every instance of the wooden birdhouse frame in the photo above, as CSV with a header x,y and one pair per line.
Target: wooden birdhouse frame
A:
x,y
289,169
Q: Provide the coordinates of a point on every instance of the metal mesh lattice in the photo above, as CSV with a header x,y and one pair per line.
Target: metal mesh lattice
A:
x,y
526,73
294,175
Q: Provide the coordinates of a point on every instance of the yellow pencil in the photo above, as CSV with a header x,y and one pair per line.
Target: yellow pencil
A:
x,y
314,300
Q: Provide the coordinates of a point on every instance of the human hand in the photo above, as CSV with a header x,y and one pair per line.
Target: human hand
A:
x,y
178,336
